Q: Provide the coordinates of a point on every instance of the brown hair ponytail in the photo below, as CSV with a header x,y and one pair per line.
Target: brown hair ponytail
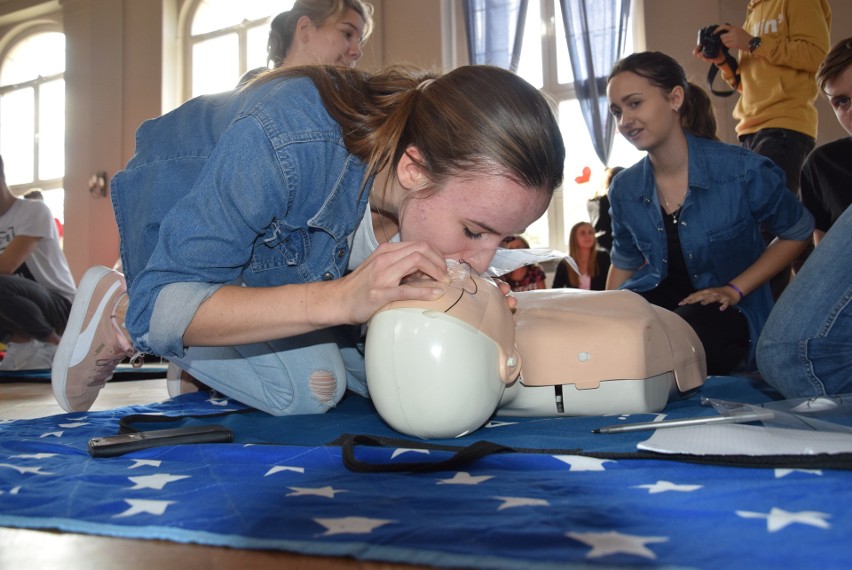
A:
x,y
474,118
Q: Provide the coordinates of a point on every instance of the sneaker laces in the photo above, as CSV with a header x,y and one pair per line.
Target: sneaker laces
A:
x,y
106,366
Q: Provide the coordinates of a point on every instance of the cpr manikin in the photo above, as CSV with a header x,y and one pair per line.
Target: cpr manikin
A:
x,y
440,369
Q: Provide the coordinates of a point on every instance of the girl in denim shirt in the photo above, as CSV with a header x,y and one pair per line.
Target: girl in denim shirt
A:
x,y
686,219
258,226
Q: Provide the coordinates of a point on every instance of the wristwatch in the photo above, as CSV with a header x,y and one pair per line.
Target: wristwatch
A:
x,y
753,44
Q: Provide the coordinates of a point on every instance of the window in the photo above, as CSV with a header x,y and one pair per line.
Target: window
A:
x,y
32,116
545,64
226,39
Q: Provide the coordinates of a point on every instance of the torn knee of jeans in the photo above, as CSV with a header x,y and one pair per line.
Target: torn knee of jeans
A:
x,y
323,386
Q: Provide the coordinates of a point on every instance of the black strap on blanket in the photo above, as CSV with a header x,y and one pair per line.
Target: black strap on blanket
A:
x,y
125,424
466,455
463,456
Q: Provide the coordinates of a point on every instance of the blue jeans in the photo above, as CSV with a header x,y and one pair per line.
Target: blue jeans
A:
x,y
276,376
805,349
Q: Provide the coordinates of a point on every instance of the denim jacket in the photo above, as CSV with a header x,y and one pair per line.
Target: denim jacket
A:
x,y
732,192
251,187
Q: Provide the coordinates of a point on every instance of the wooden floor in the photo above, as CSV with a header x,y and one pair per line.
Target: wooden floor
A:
x,y
39,550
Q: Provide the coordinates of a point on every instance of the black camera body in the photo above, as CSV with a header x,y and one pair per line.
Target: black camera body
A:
x,y
710,42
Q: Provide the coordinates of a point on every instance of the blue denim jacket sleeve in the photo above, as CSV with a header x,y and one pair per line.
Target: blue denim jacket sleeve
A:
x,y
272,202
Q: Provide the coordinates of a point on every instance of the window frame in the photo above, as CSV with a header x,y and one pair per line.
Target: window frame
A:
x,y
11,41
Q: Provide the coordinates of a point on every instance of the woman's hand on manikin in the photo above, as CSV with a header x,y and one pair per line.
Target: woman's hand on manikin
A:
x,y
390,274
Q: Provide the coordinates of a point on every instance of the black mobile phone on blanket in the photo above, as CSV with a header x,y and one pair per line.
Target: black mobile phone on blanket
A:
x,y
114,445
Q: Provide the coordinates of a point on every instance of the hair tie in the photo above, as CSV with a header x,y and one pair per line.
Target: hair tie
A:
x,y
425,83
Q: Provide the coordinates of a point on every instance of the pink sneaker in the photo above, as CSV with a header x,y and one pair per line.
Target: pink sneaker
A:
x,y
93,343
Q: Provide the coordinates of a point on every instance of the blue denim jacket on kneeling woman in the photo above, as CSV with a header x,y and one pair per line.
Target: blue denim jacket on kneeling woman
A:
x,y
250,187
732,192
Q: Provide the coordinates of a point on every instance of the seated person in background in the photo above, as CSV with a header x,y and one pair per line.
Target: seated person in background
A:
x,y
317,32
686,219
525,278
592,261
826,183
598,208
36,286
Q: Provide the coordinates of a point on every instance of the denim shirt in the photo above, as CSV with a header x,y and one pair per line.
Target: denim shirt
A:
x,y
252,187
732,192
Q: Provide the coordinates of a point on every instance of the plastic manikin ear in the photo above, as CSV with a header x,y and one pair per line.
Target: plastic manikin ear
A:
x,y
437,369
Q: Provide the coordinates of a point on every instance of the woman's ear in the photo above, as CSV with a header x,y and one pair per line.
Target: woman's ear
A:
x,y
676,97
409,170
303,29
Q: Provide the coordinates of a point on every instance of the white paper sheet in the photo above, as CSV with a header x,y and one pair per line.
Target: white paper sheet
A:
x,y
738,439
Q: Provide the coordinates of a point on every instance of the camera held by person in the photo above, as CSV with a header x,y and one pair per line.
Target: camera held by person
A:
x,y
711,47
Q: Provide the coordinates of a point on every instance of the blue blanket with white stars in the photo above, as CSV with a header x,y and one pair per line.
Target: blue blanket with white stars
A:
x,y
566,499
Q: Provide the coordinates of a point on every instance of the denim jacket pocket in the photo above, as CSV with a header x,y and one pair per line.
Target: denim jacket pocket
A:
x,y
729,246
280,247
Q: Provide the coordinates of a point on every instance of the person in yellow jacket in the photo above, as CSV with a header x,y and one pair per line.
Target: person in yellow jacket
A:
x,y
781,45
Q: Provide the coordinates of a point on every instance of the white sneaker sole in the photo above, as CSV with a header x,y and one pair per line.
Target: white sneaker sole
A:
x,y
65,350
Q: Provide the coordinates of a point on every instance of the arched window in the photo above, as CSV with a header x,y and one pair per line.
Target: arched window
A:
x,y
545,63
32,116
226,39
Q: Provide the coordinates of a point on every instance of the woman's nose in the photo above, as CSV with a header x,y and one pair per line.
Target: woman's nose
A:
x,y
480,259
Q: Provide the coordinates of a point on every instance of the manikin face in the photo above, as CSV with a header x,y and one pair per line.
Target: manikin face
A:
x,y
645,116
586,236
839,93
468,218
331,43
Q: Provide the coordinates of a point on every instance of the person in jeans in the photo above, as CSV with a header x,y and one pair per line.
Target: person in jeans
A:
x,y
686,218
259,227
36,285
805,349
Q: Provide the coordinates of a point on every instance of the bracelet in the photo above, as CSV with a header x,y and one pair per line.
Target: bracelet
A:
x,y
737,289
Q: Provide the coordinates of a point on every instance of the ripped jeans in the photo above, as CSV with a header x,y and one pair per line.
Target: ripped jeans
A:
x,y
306,374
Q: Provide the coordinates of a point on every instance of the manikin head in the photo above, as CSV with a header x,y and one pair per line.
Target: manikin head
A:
x,y
437,369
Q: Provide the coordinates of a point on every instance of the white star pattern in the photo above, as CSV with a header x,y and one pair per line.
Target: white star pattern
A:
x,y
145,463
52,434
784,472
777,518
279,468
496,424
33,456
314,492
397,452
157,481
12,491
580,463
606,543
20,469
142,506
219,402
351,525
511,502
463,478
663,486
74,425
